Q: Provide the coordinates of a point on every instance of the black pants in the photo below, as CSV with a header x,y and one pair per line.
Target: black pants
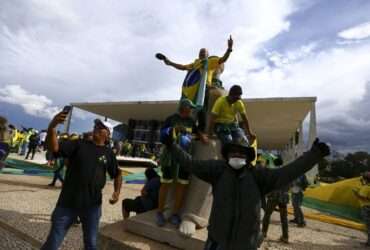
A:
x,y
31,149
297,199
133,205
271,204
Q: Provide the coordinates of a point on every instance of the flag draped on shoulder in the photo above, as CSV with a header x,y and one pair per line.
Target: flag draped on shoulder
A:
x,y
194,85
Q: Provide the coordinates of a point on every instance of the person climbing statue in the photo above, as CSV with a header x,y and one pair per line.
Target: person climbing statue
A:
x,y
202,77
182,126
224,118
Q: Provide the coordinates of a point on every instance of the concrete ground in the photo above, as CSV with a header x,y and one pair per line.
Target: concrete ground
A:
x,y
26,203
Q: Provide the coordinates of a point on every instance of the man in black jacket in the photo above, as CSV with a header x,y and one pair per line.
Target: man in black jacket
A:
x,y
237,188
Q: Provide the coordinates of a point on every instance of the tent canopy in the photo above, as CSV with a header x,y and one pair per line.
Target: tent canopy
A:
x,y
274,120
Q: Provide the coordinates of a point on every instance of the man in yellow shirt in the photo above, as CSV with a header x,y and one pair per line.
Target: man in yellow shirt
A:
x,y
224,120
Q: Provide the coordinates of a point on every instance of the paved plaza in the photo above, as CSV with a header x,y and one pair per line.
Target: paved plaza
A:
x,y
26,203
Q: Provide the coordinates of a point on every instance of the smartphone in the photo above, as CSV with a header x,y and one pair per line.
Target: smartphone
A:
x,y
67,109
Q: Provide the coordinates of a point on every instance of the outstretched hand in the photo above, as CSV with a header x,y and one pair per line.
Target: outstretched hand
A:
x,y
162,57
322,147
230,43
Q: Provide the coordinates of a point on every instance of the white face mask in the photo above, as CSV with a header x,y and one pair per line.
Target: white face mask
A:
x,y
237,163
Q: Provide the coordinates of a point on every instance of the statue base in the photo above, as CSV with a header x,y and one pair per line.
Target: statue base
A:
x,y
114,237
141,232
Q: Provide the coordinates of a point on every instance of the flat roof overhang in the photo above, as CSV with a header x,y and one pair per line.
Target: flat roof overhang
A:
x,y
274,120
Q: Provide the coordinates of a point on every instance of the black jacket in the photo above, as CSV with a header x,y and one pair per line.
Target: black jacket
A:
x,y
235,217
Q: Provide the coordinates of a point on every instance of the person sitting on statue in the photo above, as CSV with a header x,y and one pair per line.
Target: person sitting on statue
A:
x,y
213,63
223,120
182,126
237,188
203,74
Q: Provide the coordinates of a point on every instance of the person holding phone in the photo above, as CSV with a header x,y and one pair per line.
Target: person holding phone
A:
x,y
81,195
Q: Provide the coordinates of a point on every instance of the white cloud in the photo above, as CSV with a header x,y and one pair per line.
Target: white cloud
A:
x,y
103,51
337,76
361,31
37,105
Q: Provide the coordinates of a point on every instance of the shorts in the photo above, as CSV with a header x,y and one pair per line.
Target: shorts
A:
x,y
175,171
171,170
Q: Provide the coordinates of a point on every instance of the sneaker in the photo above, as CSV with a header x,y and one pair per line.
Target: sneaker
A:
x,y
175,220
284,239
293,221
160,220
51,185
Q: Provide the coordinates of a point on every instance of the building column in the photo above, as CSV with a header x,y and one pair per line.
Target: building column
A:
x,y
312,134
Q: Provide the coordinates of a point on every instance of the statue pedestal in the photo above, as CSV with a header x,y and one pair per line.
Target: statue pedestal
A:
x,y
141,232
114,237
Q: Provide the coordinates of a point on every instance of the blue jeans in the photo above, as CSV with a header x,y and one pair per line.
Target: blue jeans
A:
x,y
57,174
61,220
23,148
230,133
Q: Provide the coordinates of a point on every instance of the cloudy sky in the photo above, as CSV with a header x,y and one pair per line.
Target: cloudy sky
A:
x,y
56,52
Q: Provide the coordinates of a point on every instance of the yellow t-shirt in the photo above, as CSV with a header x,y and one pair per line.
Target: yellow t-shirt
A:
x,y
213,64
226,112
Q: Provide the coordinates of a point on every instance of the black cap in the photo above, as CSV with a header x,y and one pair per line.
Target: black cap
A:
x,y
238,147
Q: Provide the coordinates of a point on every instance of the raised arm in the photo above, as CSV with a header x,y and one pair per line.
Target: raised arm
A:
x,y
224,58
51,138
270,180
207,170
178,66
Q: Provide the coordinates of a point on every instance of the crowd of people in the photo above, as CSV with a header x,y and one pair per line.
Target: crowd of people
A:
x,y
239,187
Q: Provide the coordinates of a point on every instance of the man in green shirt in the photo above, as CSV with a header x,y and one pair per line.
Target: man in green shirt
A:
x,y
183,127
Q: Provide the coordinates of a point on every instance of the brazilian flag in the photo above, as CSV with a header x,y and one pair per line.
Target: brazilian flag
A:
x,y
194,85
